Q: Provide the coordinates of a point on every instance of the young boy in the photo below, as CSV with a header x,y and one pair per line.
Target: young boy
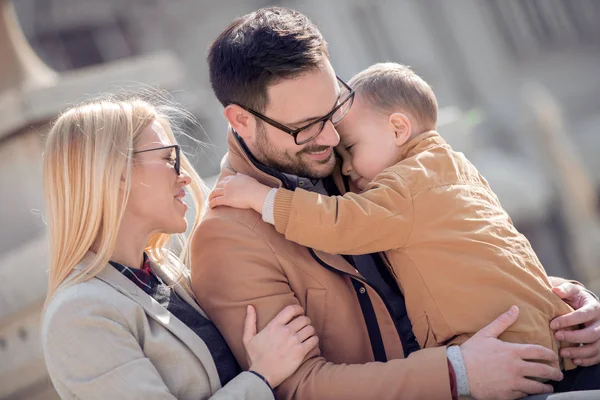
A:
x,y
451,246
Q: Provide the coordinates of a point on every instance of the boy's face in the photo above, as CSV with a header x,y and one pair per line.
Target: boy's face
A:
x,y
367,143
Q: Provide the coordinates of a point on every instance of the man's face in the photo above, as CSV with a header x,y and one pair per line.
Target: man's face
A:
x,y
295,103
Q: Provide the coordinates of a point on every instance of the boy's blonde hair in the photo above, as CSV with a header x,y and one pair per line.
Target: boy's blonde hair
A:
x,y
87,165
392,87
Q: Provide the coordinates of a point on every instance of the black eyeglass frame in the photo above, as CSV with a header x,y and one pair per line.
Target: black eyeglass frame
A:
x,y
294,132
177,165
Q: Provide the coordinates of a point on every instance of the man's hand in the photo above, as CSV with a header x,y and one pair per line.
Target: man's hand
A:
x,y
587,314
500,370
239,191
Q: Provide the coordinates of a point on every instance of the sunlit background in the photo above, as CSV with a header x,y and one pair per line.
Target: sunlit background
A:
x,y
518,82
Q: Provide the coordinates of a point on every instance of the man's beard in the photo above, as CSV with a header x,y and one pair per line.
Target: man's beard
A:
x,y
292,164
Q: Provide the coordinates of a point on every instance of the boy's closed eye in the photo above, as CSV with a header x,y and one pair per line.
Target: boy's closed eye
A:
x,y
345,149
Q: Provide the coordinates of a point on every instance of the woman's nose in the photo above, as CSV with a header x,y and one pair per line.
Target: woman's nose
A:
x,y
184,178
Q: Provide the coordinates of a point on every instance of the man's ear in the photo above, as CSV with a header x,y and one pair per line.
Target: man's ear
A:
x,y
241,121
402,127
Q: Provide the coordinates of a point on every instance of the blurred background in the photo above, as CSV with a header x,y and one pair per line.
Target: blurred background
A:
x,y
518,82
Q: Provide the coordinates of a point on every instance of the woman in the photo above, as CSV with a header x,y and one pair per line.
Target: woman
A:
x,y
120,320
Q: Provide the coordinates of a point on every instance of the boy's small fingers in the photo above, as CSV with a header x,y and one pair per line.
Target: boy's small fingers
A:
x,y
215,202
215,192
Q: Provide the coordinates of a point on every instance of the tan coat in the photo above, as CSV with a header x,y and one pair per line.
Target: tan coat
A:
x,y
458,258
237,259
107,339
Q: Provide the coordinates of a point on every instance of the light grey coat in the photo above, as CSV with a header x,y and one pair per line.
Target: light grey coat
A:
x,y
107,339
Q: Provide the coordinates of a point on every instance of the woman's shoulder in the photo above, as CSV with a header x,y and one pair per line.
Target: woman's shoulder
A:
x,y
87,290
81,303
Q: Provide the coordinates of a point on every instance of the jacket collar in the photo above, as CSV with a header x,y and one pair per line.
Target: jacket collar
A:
x,y
112,277
240,159
421,143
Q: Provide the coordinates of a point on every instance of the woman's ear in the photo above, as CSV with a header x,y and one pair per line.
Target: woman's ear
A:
x,y
122,185
402,127
241,121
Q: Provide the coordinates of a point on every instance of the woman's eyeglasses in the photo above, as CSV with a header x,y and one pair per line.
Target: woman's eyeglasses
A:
x,y
177,158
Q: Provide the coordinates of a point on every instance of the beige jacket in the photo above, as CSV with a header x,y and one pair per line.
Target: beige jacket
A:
x,y
237,259
107,339
454,250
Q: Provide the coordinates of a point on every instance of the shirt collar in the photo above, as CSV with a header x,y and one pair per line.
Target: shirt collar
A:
x,y
143,277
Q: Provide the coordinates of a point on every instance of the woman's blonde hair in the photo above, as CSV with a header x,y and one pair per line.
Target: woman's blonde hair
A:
x,y
87,165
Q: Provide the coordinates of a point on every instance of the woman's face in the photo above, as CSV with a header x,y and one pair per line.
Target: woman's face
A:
x,y
156,198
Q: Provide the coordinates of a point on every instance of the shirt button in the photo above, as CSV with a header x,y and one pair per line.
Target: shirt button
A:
x,y
362,290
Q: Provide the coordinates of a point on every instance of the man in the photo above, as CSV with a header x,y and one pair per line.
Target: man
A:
x,y
271,72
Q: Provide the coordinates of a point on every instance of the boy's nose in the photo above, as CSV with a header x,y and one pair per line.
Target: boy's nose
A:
x,y
346,168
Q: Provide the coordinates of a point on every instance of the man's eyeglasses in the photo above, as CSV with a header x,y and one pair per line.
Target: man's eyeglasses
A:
x,y
310,131
176,157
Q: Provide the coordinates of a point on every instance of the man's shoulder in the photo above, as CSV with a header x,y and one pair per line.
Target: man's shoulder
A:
x,y
230,217
226,226
239,243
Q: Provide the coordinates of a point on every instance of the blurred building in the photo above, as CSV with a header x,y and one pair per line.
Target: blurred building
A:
x,y
479,55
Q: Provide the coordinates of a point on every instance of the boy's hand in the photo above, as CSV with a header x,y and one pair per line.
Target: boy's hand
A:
x,y
239,191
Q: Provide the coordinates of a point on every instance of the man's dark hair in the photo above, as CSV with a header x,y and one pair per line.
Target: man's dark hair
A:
x,y
258,50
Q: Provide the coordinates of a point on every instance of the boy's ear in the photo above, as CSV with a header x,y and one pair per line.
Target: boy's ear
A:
x,y
241,121
402,127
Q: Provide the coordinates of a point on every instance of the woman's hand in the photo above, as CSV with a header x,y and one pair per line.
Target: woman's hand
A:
x,y
586,323
239,191
278,350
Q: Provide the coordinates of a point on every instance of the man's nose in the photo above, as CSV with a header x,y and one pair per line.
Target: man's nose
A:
x,y
329,136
